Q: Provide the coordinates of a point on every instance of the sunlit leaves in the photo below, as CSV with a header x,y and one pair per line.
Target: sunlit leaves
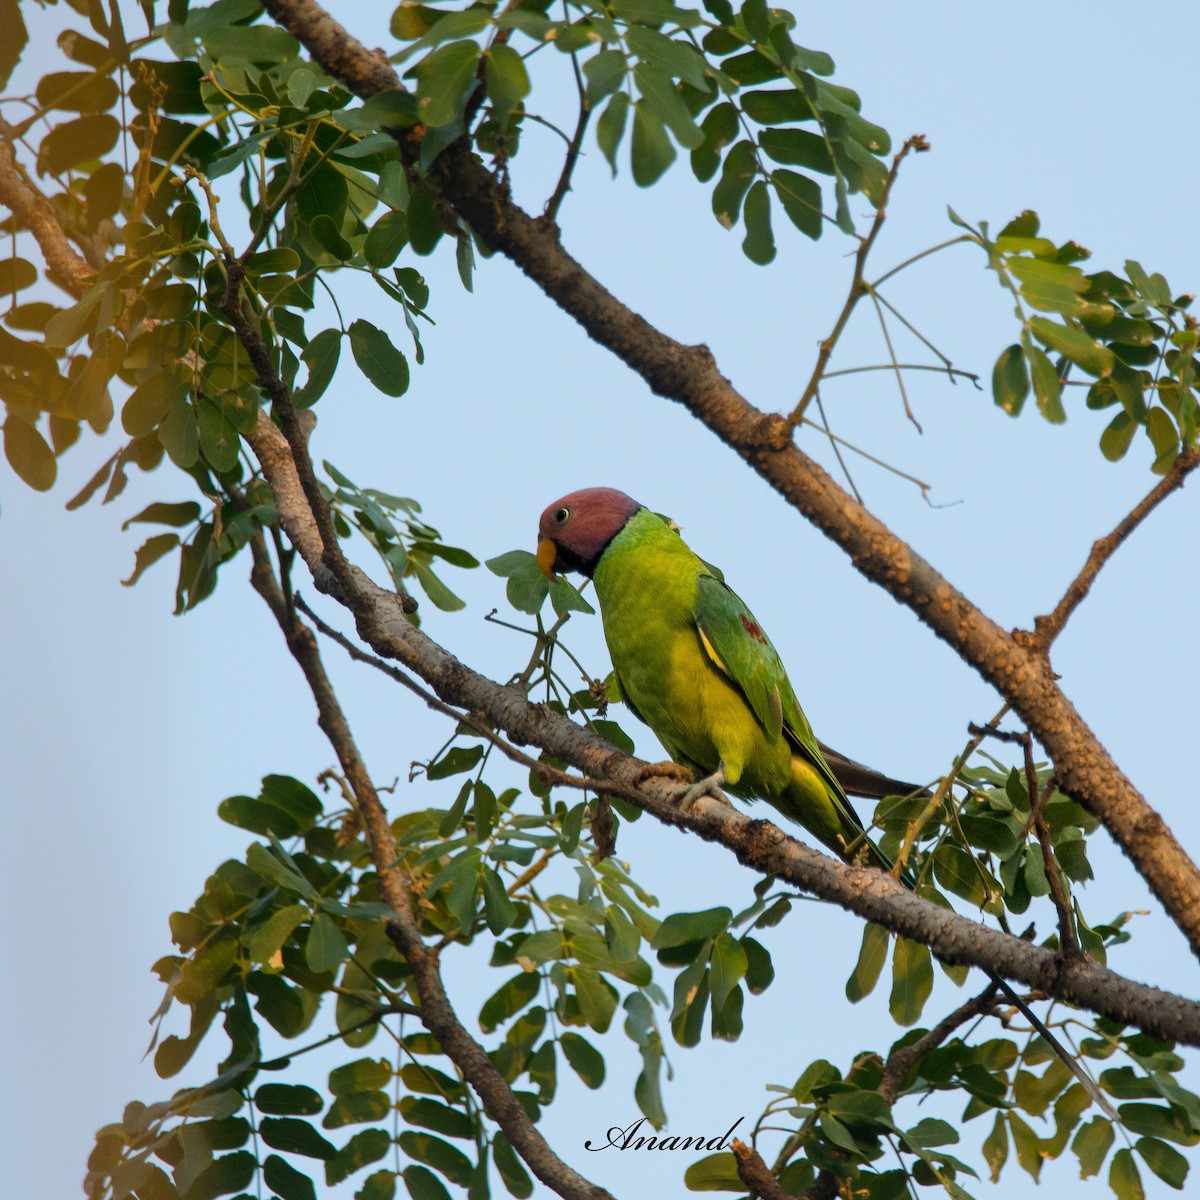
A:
x,y
1110,328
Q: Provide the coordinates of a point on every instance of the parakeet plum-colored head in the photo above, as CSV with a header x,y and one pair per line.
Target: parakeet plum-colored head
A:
x,y
574,531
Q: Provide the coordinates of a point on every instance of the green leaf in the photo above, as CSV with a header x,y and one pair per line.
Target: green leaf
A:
x,y
508,1000
262,944
388,236
321,356
326,947
365,1147
610,128
680,928
604,72
586,1061
380,361
263,863
295,1136
285,1181
660,94
148,553
527,587
288,1100
1165,1161
597,997
218,436
357,1108
959,873
737,174
74,143
1123,1177
433,1114
499,911
444,80
797,148
728,968
456,760
230,1173
1117,437
15,274
1164,437
516,1178
423,1184
912,981
1073,344
651,151
1010,380
506,79
440,1155
435,589
995,1147
1047,386
29,454
871,957
381,1185
759,242
714,1173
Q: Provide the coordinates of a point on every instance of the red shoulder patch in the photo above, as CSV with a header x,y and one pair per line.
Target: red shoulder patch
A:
x,y
751,628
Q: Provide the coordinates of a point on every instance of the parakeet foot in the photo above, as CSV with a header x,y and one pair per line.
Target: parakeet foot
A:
x,y
668,770
710,785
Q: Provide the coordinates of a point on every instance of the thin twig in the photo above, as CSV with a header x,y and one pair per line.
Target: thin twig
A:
x,y
833,441
879,462
887,337
901,1061
857,282
1037,821
1046,629
550,214
951,371
549,775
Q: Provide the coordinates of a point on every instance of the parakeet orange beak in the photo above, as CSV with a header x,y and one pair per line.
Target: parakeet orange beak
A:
x,y
547,552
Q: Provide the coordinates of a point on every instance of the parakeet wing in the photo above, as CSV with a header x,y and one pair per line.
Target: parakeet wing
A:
x,y
738,647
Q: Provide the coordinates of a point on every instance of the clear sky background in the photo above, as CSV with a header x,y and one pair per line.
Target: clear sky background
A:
x,y
122,728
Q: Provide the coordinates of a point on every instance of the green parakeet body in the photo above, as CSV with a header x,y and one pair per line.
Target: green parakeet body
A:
x,y
694,664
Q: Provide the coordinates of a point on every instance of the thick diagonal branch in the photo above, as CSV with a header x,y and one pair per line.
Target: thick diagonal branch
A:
x,y
757,844
689,376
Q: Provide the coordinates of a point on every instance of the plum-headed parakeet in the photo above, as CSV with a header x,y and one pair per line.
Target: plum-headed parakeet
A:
x,y
694,664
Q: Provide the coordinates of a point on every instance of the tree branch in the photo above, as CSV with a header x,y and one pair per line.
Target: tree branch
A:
x,y
689,375
755,1173
395,888
1046,629
759,845
66,266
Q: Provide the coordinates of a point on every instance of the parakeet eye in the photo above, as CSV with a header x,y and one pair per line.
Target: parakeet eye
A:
x,y
561,514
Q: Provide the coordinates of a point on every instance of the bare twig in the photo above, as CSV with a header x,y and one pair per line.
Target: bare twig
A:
x,y
858,287
550,215
1046,629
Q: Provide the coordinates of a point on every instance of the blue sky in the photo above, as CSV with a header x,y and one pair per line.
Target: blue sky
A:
x,y
121,728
